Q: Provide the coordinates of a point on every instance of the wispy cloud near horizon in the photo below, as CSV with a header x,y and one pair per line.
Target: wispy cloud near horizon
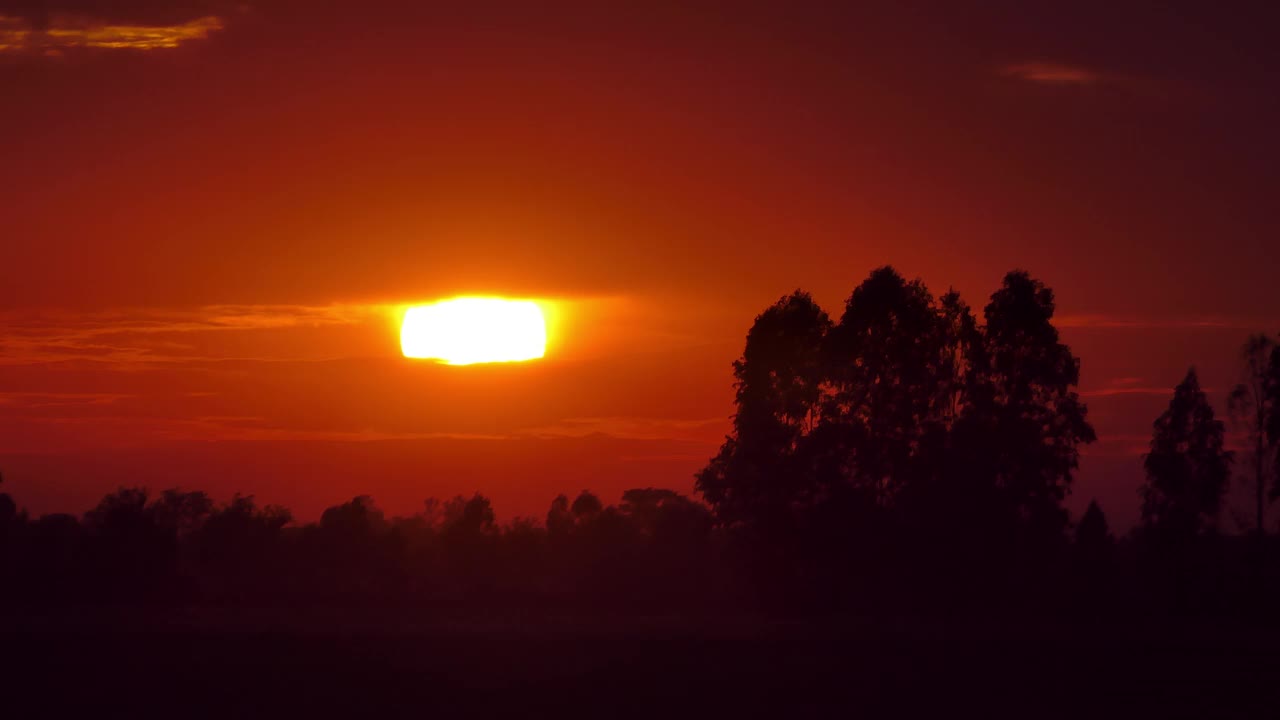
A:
x,y
1051,73
19,35
1135,322
141,337
634,428
28,400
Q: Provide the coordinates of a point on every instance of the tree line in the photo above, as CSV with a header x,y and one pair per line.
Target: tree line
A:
x,y
180,547
910,454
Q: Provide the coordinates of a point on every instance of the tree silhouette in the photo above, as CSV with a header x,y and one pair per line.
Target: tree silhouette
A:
x,y
1253,404
559,521
884,360
1039,420
1094,555
962,352
666,517
1187,468
1272,386
181,512
352,553
8,512
585,507
238,547
134,554
1092,534
8,509
360,517
468,517
948,496
905,423
756,479
54,566
11,523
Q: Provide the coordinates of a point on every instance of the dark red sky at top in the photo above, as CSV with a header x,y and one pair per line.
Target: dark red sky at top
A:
x,y
200,242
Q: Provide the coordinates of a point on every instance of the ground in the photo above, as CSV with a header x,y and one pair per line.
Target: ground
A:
x,y
327,664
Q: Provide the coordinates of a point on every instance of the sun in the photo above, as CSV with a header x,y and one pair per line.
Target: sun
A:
x,y
470,330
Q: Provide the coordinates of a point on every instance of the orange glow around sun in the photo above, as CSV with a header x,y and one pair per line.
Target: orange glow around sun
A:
x,y
471,330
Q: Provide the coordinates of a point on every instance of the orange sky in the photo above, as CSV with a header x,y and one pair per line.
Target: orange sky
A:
x,y
209,209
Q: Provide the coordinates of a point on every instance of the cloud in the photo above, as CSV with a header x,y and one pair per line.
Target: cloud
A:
x,y
27,400
1130,386
60,414
1130,322
147,337
119,430
1114,391
635,428
64,32
1051,73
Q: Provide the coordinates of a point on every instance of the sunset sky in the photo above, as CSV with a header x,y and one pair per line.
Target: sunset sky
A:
x,y
214,212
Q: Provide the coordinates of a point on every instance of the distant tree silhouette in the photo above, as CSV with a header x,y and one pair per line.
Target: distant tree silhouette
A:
x,y
670,540
666,517
134,554
1272,401
11,525
181,512
1092,533
468,517
1094,553
1187,472
238,548
8,509
8,512
360,517
559,521
55,565
1254,403
1188,467
585,507
352,553
468,536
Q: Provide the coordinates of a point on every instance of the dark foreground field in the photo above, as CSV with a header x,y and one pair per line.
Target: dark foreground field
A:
x,y
188,664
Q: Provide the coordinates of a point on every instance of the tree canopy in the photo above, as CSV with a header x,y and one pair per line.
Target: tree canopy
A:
x,y
1188,466
908,399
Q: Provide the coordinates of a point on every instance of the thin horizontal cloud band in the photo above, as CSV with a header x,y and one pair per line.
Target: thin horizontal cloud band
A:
x,y
75,32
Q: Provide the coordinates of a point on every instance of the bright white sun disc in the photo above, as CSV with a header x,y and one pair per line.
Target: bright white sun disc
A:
x,y
469,330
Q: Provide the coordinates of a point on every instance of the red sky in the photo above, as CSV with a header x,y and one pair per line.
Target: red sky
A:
x,y
202,245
